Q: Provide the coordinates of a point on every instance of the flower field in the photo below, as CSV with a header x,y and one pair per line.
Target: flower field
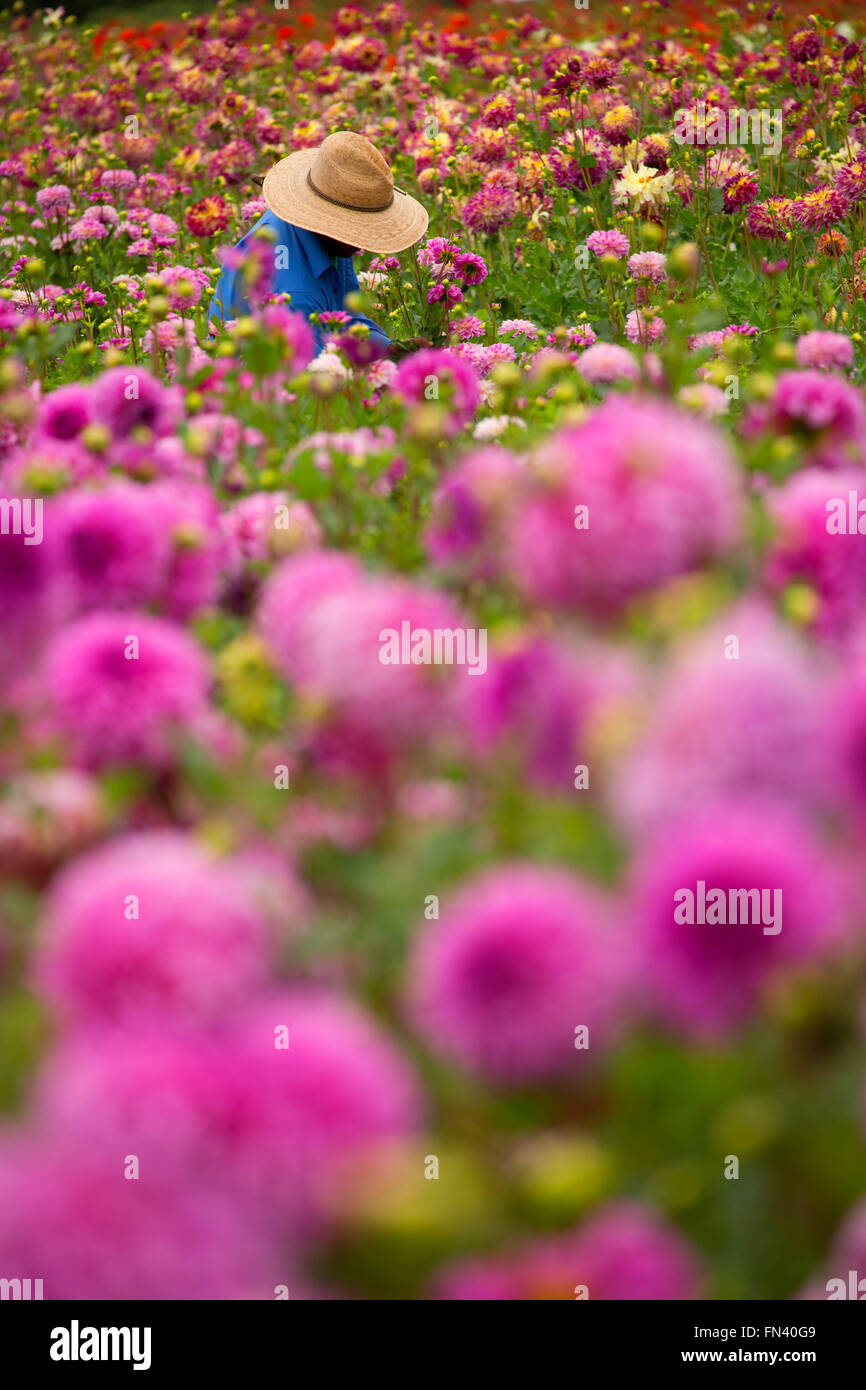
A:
x,y
434,790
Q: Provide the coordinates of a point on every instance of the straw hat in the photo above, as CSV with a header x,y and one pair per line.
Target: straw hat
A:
x,y
345,190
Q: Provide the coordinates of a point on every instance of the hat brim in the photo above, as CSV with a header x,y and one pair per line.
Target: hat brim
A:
x,y
287,193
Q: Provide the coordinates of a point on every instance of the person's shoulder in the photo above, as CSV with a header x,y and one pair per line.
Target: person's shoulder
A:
x,y
271,223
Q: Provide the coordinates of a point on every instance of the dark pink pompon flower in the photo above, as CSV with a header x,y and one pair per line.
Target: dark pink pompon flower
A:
x,y
638,494
64,413
535,708
466,526
129,398
129,546
108,547
521,960
826,412
148,926
494,206
456,383
624,1252
846,720
340,1087
779,899
126,688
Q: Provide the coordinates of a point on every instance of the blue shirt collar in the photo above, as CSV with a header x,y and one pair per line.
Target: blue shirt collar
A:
x,y
317,256
309,242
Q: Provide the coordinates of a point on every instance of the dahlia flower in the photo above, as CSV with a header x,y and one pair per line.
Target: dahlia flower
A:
x,y
523,958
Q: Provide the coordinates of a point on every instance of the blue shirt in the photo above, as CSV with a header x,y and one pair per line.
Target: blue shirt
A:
x,y
316,282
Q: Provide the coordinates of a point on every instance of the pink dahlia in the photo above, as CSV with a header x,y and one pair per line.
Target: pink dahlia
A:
x,y
466,528
580,160
126,688
603,364
851,181
64,413
523,958
456,381
819,210
127,399
826,411
624,1252
825,350
264,526
648,265
341,642
109,547
638,494
608,243
54,200
494,206
89,1233
809,547
644,328
265,1106
498,110
29,606
847,730
769,873
150,925
535,709
731,713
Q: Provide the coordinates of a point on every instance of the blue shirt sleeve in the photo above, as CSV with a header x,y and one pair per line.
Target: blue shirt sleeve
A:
x,y
308,293
228,302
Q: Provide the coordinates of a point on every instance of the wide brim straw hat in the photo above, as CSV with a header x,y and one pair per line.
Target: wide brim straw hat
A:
x,y
344,189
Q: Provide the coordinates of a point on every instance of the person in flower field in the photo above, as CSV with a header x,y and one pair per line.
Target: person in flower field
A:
x,y
325,206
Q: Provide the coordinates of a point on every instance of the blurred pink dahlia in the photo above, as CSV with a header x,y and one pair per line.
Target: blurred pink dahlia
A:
x,y
150,925
523,957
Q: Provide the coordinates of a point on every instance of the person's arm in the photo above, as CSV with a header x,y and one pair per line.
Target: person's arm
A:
x,y
402,347
377,334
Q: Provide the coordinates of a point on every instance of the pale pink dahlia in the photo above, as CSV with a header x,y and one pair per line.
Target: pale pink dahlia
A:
x,y
603,364
337,645
825,350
